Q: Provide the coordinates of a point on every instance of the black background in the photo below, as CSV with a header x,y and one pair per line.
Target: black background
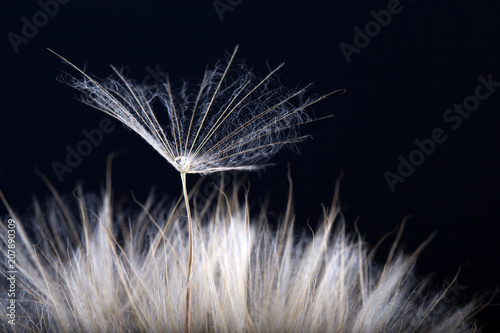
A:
x,y
398,88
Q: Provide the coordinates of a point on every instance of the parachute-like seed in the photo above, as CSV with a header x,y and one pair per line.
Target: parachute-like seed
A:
x,y
231,119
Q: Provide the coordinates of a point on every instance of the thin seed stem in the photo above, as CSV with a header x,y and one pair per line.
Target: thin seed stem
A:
x,y
187,322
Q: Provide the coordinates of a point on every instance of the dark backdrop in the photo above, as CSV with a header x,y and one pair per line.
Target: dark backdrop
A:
x,y
405,73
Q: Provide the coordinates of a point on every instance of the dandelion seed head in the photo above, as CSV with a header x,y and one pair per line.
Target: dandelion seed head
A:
x,y
126,273
230,119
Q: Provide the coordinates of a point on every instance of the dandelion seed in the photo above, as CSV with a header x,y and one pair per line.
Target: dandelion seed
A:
x,y
231,120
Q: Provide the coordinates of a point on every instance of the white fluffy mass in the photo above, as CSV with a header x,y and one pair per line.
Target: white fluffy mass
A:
x,y
86,267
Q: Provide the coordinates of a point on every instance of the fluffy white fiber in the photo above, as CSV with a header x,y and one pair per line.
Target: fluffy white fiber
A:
x,y
89,268
230,119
